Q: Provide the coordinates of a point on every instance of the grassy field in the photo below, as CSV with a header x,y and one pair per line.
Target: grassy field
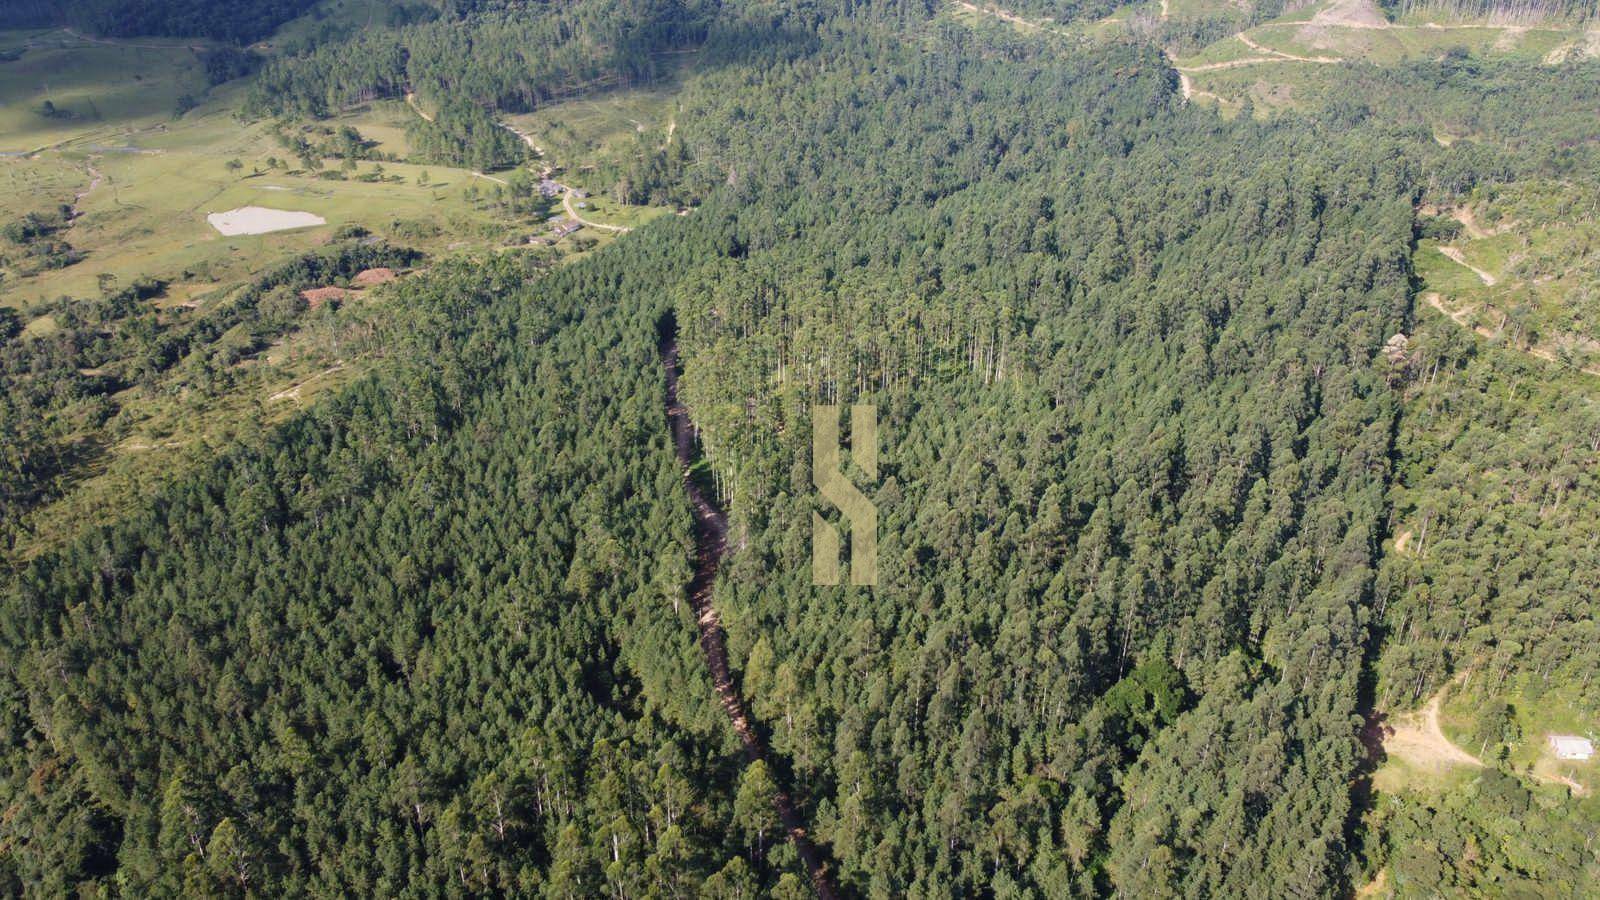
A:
x,y
609,212
1538,713
140,180
333,17
1540,242
573,132
382,121
145,214
157,432
1257,64
100,93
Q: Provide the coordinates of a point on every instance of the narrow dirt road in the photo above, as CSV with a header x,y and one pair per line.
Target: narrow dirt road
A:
x,y
1418,739
411,101
572,213
1455,256
566,197
95,178
1463,317
1402,541
1004,15
526,138
292,392
710,539
1248,42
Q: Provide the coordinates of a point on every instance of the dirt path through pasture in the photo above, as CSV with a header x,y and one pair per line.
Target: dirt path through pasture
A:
x,y
198,48
1250,42
1454,255
572,213
95,178
411,101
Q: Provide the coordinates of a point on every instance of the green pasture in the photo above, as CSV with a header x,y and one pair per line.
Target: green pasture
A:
x,y
100,94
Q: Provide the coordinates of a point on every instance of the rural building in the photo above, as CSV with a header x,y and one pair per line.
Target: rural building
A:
x,y
1570,746
566,228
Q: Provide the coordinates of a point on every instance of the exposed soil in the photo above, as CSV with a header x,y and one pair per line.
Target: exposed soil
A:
x,y
710,541
293,391
1417,739
411,100
1463,317
1402,541
1351,14
1578,790
95,178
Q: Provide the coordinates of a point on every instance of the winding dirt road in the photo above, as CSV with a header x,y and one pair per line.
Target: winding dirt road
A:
x,y
572,213
711,539
566,192
1279,54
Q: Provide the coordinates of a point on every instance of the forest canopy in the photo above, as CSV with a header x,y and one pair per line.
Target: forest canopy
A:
x,y
1154,393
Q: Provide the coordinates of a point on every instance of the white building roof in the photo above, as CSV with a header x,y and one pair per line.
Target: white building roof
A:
x,y
1570,746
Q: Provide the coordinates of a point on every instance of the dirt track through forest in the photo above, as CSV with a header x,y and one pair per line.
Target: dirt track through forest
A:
x,y
1418,739
710,543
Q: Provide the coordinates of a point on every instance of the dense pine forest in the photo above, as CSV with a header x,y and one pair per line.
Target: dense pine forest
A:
x,y
1155,399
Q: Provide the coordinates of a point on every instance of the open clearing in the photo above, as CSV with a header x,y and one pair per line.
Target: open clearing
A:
x,y
1456,256
1416,739
147,212
95,90
262,220
1357,31
202,202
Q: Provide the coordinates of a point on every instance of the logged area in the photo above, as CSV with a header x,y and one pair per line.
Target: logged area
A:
x,y
711,541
